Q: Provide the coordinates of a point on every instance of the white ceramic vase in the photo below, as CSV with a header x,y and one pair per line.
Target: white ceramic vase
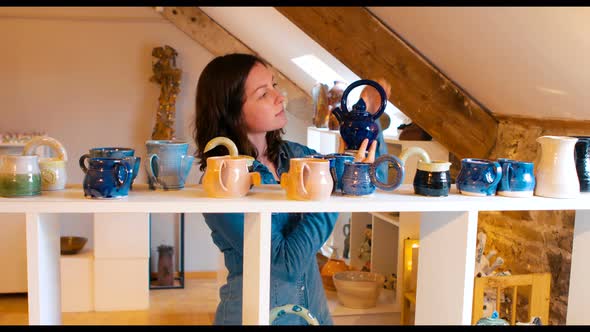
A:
x,y
556,170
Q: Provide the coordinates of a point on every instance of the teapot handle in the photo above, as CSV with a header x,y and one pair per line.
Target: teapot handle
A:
x,y
55,145
365,82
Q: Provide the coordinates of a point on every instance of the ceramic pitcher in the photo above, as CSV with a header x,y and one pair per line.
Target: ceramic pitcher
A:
x,y
19,176
433,177
53,170
228,176
556,174
308,179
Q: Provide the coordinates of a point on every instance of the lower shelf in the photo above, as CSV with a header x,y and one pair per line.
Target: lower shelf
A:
x,y
385,304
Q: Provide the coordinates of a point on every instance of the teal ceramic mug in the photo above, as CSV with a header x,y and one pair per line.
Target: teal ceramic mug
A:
x,y
167,164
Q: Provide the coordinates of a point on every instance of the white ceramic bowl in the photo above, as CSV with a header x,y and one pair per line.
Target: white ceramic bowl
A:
x,y
357,289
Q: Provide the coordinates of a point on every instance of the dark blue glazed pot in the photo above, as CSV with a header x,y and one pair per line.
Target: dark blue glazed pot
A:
x,y
518,178
478,177
582,157
435,184
360,178
358,124
113,152
339,160
107,178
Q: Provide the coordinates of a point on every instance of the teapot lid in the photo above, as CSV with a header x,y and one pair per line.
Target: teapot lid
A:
x,y
360,107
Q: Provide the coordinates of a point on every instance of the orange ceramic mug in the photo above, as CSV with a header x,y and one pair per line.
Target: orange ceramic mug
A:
x,y
228,176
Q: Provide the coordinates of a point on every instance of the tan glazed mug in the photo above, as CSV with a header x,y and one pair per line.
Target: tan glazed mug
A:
x,y
308,179
228,176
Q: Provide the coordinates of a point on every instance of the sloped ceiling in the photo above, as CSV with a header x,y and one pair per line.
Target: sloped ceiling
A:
x,y
525,62
516,61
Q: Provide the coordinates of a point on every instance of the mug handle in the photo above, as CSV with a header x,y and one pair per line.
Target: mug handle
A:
x,y
82,164
301,187
498,173
505,178
399,174
116,172
150,168
255,178
221,166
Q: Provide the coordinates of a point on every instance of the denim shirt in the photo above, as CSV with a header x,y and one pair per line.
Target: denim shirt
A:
x,y
295,240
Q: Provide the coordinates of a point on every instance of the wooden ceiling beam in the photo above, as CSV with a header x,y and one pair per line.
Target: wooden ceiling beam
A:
x,y
362,43
213,37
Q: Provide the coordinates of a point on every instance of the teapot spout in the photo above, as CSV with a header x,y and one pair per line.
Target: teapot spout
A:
x,y
338,114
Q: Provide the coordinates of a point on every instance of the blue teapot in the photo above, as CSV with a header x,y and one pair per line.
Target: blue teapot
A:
x,y
358,124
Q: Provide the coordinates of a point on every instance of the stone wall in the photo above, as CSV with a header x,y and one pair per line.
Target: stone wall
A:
x,y
532,241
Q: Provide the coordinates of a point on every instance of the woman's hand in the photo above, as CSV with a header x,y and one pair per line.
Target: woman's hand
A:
x,y
372,97
361,154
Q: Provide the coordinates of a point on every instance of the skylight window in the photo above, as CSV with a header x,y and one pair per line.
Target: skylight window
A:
x,y
317,69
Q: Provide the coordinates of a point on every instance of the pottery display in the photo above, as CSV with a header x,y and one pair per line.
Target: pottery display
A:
x,y
168,164
518,178
556,173
582,157
107,178
53,170
228,176
433,177
358,124
359,178
308,179
19,176
478,177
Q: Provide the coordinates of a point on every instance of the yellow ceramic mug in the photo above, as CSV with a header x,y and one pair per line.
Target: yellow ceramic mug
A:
x,y
308,179
228,176
53,170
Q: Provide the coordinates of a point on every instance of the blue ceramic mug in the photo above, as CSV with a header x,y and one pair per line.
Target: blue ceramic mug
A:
x,y
518,178
113,152
339,160
168,164
478,177
360,178
107,178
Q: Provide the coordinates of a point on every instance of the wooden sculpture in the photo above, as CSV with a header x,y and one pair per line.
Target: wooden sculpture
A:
x,y
168,77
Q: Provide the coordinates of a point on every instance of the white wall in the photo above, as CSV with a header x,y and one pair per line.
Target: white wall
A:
x,y
81,75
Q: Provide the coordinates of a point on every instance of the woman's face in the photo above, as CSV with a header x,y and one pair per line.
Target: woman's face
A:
x,y
263,109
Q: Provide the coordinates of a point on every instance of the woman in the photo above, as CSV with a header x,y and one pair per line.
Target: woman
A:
x,y
237,97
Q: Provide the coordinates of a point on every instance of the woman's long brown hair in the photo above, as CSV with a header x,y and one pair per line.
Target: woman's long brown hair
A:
x,y
218,112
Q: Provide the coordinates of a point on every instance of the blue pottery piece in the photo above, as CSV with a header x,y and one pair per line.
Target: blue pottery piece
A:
x,y
360,178
432,183
518,178
339,160
107,178
494,319
332,160
582,157
113,152
168,164
478,177
358,124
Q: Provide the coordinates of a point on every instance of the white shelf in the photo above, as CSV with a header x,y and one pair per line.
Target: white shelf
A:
x,y
385,304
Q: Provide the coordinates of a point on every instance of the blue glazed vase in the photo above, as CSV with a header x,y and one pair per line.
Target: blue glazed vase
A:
x,y
358,124
478,177
582,157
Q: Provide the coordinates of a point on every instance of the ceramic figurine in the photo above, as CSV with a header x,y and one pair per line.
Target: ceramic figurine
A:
x,y
358,124
365,249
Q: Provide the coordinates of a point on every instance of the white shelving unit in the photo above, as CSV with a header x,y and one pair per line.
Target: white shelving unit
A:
x,y
387,242
447,235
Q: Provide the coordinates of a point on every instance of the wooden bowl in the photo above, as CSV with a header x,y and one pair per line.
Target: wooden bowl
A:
x,y
71,245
